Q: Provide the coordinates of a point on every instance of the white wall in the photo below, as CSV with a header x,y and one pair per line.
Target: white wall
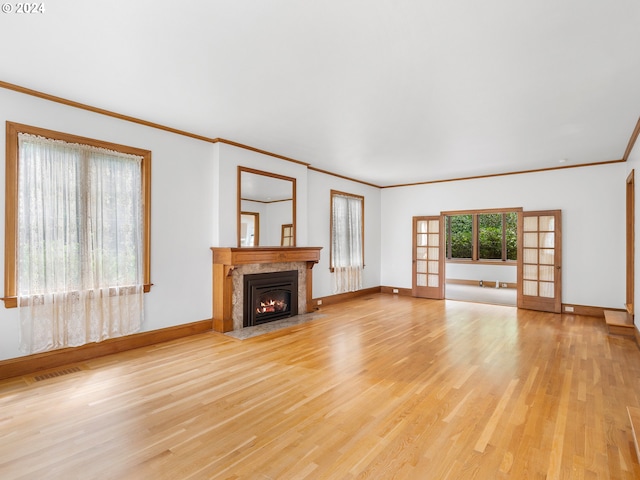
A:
x,y
592,200
489,273
320,186
182,216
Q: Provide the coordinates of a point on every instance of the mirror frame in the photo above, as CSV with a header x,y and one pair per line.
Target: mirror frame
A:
x,y
239,201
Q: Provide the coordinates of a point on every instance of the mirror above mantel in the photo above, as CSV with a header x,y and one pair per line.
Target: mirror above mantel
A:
x,y
266,209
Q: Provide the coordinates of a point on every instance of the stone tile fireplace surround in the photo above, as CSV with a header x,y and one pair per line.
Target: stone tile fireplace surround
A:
x,y
231,264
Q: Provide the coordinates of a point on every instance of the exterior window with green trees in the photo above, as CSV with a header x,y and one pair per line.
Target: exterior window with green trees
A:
x,y
459,231
482,236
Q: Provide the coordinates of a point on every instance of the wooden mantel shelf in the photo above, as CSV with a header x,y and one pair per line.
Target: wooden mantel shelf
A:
x,y
225,259
252,255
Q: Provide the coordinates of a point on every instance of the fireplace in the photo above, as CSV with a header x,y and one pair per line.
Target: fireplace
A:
x,y
269,297
231,265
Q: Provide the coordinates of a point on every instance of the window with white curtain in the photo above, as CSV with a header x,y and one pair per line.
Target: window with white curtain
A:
x,y
347,241
77,259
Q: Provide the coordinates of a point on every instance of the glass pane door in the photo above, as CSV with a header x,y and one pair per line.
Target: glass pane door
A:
x,y
539,285
428,257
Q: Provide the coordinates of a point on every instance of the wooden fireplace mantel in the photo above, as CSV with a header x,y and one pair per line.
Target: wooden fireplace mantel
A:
x,y
226,258
249,255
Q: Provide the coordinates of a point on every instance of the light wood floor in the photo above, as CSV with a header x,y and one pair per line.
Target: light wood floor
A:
x,y
381,387
475,293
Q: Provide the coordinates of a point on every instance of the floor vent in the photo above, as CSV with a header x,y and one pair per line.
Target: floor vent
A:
x,y
56,373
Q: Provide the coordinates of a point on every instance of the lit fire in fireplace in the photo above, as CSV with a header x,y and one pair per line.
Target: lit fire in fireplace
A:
x,y
272,306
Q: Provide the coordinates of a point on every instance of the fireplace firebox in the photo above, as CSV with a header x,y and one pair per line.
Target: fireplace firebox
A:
x,y
269,297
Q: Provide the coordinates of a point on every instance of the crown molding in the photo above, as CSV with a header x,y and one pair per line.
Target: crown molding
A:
x,y
516,172
253,149
326,172
127,118
632,141
101,111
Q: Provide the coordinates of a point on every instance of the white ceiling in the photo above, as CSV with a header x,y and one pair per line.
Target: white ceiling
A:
x,y
387,92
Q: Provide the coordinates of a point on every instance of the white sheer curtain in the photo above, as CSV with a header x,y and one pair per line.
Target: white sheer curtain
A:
x,y
346,243
80,274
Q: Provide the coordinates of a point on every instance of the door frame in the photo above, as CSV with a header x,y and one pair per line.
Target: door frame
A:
x,y
630,239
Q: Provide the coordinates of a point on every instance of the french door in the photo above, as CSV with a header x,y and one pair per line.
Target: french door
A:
x,y
428,257
540,261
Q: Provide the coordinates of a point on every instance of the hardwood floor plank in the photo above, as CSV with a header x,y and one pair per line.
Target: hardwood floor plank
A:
x,y
491,425
379,387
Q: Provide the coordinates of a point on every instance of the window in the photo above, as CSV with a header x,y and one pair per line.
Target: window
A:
x,y
482,236
459,230
77,236
347,241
